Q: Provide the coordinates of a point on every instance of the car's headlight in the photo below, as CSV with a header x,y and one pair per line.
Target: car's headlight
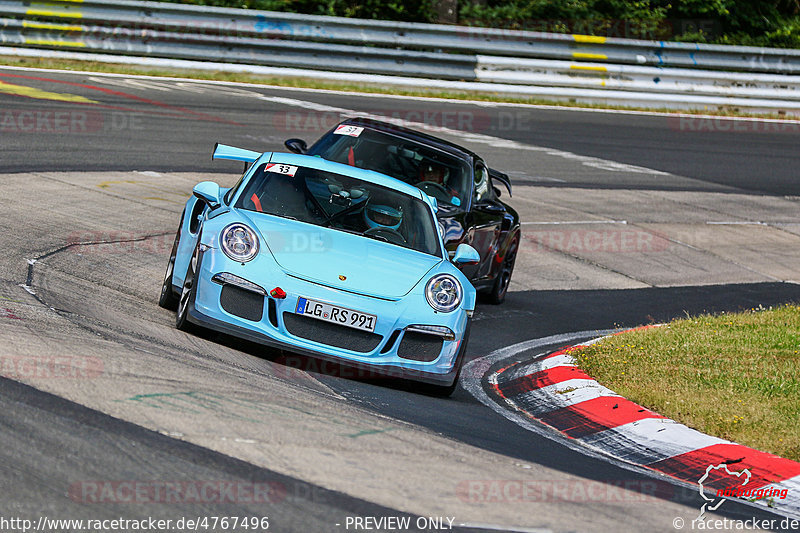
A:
x,y
443,292
239,242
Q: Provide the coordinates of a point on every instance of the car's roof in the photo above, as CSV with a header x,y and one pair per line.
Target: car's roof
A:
x,y
340,168
413,135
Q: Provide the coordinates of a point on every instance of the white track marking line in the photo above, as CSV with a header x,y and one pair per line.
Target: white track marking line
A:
x,y
28,289
570,222
736,223
480,138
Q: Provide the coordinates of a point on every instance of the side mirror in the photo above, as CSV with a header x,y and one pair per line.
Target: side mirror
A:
x,y
501,177
297,146
466,255
208,192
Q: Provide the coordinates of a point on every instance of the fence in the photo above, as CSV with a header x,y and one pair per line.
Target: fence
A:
x,y
612,69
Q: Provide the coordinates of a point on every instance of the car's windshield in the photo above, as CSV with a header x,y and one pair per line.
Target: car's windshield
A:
x,y
343,203
439,174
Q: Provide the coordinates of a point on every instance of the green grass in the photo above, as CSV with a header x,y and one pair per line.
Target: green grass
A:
x,y
735,376
312,83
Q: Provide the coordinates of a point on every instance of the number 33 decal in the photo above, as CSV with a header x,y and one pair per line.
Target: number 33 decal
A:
x,y
281,169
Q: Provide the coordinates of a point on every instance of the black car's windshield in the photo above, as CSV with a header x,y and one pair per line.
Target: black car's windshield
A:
x,y
439,174
343,203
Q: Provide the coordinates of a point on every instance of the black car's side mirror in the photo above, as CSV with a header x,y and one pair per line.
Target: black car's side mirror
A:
x,y
496,191
501,177
298,146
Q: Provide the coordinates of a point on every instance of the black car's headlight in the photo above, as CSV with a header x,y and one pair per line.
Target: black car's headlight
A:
x,y
239,242
443,292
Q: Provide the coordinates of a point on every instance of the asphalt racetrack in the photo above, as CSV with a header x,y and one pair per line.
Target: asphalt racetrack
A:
x,y
105,407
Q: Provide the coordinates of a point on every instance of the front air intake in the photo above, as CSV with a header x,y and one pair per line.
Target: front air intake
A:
x,y
242,303
421,347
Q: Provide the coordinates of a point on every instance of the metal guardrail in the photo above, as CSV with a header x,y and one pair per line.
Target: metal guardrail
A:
x,y
247,50
181,18
522,58
652,80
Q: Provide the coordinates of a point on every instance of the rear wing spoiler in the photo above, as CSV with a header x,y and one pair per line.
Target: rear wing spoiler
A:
x,y
223,151
502,177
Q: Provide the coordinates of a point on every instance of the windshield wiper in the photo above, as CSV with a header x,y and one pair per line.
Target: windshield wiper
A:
x,y
377,237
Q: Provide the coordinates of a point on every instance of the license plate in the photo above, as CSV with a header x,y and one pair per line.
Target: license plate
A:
x,y
336,314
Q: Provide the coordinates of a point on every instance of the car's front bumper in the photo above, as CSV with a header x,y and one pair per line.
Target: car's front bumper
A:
x,y
393,317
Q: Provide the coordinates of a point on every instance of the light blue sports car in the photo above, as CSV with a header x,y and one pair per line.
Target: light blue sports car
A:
x,y
327,260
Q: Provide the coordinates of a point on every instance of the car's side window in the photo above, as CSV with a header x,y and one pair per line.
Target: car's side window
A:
x,y
483,188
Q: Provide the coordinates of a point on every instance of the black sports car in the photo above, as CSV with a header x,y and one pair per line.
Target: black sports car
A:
x,y
465,188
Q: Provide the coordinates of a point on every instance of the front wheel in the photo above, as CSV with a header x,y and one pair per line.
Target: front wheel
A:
x,y
168,300
500,287
187,292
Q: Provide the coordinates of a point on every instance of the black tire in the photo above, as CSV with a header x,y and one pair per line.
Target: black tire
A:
x,y
168,299
188,292
445,391
498,293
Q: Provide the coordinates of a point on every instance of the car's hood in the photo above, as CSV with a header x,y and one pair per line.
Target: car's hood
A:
x,y
342,260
